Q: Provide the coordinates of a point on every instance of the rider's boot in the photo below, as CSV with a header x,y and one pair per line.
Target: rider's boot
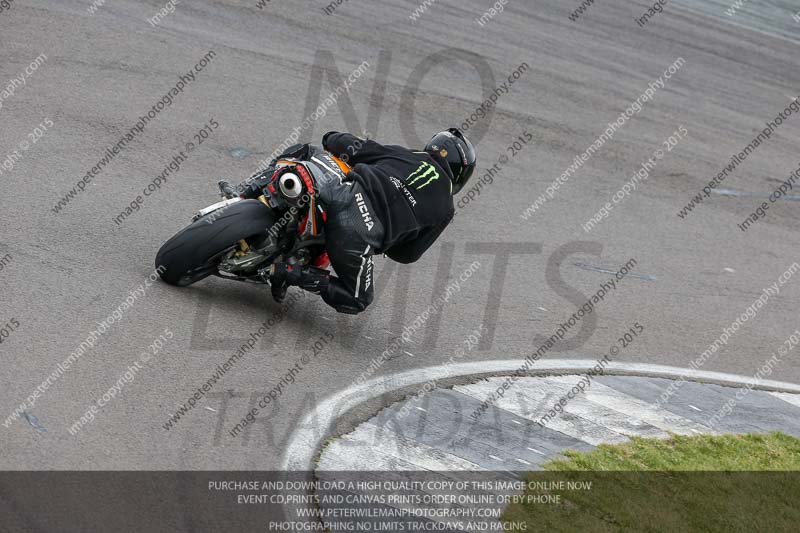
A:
x,y
281,276
227,190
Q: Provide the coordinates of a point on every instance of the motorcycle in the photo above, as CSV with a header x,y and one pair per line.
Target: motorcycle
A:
x,y
239,238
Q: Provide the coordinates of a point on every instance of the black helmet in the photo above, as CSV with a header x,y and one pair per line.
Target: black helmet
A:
x,y
457,151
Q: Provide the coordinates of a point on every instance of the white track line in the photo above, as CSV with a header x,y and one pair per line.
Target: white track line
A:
x,y
616,419
793,399
533,404
641,410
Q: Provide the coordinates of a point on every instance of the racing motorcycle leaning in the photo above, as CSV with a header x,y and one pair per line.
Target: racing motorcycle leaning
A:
x,y
272,217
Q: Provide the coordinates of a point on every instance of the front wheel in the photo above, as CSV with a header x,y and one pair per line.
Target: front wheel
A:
x,y
194,253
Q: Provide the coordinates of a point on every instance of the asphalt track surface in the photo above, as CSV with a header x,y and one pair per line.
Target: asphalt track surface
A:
x,y
69,270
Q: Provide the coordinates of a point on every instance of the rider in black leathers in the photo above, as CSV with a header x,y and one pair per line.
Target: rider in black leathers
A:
x,y
393,201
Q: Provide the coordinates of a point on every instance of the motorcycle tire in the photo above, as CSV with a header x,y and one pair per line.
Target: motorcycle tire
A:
x,y
194,253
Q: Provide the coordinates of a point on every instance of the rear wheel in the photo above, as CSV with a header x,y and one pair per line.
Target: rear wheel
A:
x,y
194,253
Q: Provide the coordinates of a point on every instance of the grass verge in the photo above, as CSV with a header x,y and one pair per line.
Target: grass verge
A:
x,y
702,483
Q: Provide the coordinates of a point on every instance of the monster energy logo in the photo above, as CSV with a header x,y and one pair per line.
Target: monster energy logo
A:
x,y
425,170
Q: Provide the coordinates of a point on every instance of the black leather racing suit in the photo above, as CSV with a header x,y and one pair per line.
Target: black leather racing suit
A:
x,y
393,201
